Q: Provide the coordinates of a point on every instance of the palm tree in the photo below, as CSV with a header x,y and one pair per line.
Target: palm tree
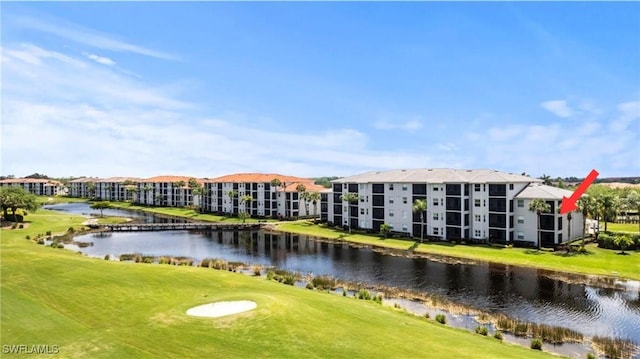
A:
x,y
585,205
276,183
303,196
314,197
199,191
420,206
633,202
539,206
176,187
623,241
246,200
232,194
545,179
109,190
91,189
147,187
609,204
349,197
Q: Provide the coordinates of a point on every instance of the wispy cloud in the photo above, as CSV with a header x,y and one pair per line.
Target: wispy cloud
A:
x,y
100,59
93,120
86,36
410,125
558,108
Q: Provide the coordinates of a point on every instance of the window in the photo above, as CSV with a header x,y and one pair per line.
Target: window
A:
x,y
477,233
405,187
435,189
520,235
520,220
362,186
343,210
484,218
435,216
476,203
477,218
404,214
390,200
435,201
404,200
390,186
361,210
405,228
484,203
435,231
390,213
521,203
476,187
511,186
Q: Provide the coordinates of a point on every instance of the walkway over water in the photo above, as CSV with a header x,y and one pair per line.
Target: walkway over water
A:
x,y
148,227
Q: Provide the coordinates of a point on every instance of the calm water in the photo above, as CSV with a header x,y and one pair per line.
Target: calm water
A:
x,y
527,294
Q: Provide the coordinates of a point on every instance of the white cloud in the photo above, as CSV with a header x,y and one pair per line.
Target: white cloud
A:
x,y
558,108
92,120
100,59
86,36
410,125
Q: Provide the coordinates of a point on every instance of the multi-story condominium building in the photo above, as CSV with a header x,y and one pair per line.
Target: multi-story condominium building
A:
x,y
116,188
476,205
224,195
169,191
41,187
84,187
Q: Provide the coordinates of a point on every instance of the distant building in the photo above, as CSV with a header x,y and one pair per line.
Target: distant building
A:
x,y
83,187
116,188
167,191
476,205
40,187
268,201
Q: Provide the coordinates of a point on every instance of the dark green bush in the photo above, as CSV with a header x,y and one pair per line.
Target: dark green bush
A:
x,y
498,335
270,275
309,286
48,233
71,230
20,226
377,298
323,282
440,318
41,241
590,355
289,279
482,330
536,344
364,294
28,237
107,257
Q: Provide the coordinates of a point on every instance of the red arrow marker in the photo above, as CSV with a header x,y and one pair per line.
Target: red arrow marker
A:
x,y
569,204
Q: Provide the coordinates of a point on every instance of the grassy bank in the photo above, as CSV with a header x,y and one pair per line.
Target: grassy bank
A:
x,y
181,212
598,261
59,199
95,308
622,227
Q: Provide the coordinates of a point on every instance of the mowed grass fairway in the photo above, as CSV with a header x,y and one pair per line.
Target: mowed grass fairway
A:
x,y
598,261
622,227
93,308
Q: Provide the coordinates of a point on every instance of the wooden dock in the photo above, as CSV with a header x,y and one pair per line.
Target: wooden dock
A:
x,y
149,227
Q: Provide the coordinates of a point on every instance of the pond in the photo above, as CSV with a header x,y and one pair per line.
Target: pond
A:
x,y
523,293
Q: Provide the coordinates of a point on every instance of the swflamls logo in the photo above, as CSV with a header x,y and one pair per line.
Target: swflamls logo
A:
x,y
30,349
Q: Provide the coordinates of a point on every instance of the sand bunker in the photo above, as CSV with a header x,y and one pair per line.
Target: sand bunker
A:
x,y
220,309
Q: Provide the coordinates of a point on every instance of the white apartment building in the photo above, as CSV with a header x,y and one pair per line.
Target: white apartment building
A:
x,y
477,205
224,195
116,188
84,187
167,191
40,187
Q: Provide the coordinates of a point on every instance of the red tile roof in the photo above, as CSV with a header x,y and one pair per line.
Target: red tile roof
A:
x,y
31,180
259,178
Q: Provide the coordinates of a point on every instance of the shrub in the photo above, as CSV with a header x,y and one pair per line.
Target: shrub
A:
x,y
107,257
28,237
20,226
364,294
323,282
378,298
163,260
498,335
48,233
590,355
270,275
397,306
71,230
147,259
41,241
289,279
426,315
536,344
309,286
344,292
58,245
14,226
257,271
440,318
482,330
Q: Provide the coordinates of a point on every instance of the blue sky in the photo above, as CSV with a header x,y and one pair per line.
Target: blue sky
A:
x,y
319,89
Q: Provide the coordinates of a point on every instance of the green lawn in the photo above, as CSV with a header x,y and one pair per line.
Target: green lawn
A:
x,y
598,261
622,227
182,212
59,199
112,220
93,308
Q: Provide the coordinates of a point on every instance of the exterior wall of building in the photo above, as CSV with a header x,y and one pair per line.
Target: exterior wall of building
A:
x,y
473,211
35,186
